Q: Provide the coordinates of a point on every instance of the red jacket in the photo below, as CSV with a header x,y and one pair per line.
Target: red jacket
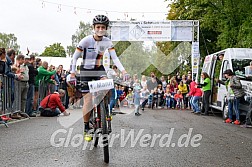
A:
x,y
178,96
173,87
54,102
194,91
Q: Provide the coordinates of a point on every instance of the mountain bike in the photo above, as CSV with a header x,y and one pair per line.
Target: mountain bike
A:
x,y
100,118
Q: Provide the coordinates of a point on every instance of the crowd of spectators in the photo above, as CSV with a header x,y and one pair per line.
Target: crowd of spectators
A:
x,y
30,80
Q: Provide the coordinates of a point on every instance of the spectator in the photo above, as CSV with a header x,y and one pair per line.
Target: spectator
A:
x,y
152,83
10,59
137,98
11,54
189,74
206,86
144,97
178,99
195,94
114,67
168,79
38,63
143,81
53,84
129,97
221,56
160,96
155,98
8,71
184,79
24,70
51,105
235,94
112,74
136,83
183,89
169,99
71,89
42,73
32,74
2,60
124,93
164,83
178,78
173,85
188,82
150,99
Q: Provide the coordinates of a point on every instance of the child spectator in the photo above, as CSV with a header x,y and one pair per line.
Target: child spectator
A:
x,y
119,91
178,98
144,96
129,98
169,99
160,95
155,98
150,99
136,83
137,100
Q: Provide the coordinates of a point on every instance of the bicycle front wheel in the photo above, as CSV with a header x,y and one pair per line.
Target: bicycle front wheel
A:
x,y
104,132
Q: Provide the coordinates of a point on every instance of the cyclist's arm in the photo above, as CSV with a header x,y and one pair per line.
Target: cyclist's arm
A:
x,y
76,55
79,49
116,59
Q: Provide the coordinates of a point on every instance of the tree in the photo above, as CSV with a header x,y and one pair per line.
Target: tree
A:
x,y
85,29
223,23
54,50
9,41
133,56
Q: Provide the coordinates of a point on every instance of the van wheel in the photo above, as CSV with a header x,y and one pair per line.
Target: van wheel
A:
x,y
225,110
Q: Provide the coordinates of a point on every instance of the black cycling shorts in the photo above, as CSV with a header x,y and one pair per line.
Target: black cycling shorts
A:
x,y
87,75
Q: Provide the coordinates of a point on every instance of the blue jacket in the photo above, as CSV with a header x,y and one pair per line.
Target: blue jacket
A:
x,y
8,68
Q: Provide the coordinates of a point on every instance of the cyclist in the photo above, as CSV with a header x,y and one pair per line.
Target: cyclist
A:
x,y
93,47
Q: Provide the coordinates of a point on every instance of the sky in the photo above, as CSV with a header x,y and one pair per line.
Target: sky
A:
x,y
38,23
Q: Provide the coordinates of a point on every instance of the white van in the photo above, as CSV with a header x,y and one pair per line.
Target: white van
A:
x,y
236,59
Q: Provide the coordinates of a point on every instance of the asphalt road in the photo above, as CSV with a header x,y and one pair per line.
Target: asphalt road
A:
x,y
211,142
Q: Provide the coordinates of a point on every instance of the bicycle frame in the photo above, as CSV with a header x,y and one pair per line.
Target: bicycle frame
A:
x,y
101,118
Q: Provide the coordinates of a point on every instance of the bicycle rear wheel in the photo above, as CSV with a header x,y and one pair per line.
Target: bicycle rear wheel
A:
x,y
104,132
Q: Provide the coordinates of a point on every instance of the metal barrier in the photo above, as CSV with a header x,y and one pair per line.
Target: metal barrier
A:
x,y
10,98
10,95
6,89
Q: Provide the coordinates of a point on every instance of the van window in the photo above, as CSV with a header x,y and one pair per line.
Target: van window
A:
x,y
225,67
239,66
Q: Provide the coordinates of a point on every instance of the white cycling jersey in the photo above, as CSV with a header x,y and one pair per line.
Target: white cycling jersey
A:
x,y
93,52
